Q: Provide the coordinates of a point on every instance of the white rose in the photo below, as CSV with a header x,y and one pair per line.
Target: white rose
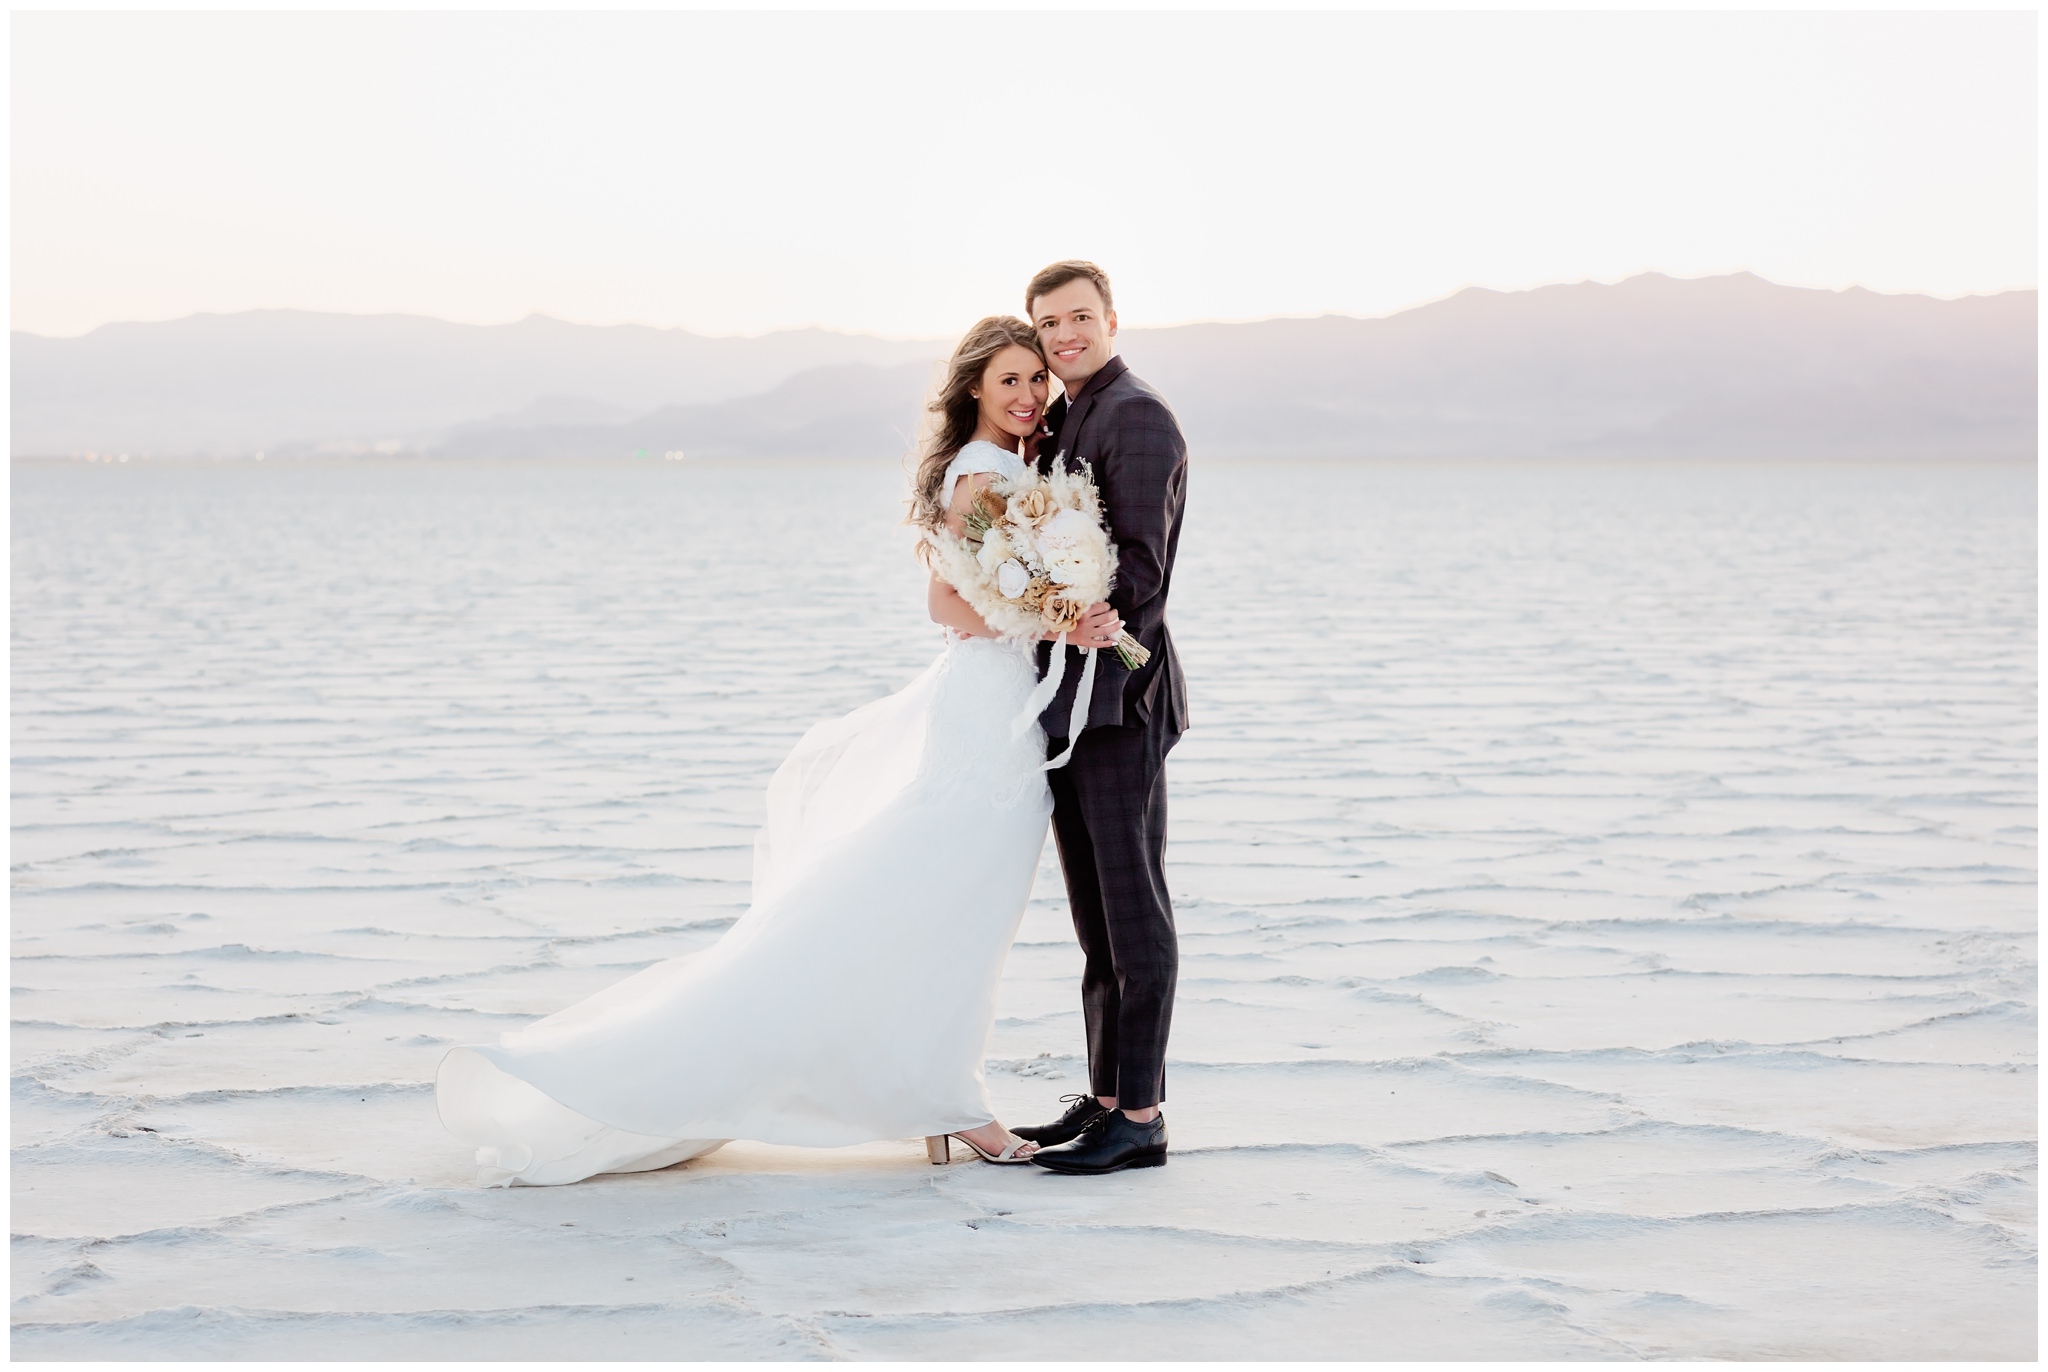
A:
x,y
1067,529
1071,526
1011,579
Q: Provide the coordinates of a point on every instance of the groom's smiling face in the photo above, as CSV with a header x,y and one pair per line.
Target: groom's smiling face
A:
x,y
1078,333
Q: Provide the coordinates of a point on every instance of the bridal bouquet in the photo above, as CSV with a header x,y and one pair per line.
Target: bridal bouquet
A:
x,y
1034,557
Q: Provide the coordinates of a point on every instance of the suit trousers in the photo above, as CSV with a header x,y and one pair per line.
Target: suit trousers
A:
x,y
1109,817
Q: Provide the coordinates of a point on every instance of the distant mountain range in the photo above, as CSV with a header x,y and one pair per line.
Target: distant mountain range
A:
x,y
1724,366
291,381
1728,366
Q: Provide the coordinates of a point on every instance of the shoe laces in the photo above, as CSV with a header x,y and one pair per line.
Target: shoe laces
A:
x,y
1099,1124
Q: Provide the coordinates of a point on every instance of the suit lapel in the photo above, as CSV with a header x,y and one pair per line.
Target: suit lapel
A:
x,y
1070,431
1069,446
1048,449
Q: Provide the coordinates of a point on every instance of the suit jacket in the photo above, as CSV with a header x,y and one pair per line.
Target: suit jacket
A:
x,y
1125,432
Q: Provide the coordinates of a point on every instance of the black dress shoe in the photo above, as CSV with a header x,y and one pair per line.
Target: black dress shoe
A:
x,y
1080,1109
1109,1143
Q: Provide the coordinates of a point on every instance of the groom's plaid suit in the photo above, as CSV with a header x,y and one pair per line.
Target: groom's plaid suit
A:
x,y
1109,801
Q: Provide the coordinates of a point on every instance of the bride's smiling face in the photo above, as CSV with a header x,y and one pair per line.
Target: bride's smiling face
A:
x,y
1013,390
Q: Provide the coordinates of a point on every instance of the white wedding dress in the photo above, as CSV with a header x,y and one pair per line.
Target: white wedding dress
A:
x,y
854,998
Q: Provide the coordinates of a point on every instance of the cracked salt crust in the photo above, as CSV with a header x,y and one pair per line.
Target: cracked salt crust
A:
x,y
1606,894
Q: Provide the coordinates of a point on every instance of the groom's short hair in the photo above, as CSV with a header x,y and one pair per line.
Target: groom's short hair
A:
x,y
1059,274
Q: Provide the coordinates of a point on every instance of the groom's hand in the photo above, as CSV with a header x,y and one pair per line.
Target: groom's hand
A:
x,y
1099,627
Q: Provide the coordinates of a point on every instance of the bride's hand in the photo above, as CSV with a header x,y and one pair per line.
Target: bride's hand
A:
x,y
1099,627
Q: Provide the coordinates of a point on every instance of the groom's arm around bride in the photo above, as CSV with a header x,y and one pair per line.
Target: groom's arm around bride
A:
x,y
1109,801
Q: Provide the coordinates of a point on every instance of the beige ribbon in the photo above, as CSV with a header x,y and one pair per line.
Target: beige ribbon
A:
x,y
1042,694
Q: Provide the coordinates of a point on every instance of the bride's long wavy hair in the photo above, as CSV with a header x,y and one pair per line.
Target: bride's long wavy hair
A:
x,y
953,411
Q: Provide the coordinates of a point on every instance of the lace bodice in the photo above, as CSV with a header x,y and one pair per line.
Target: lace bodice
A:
x,y
978,456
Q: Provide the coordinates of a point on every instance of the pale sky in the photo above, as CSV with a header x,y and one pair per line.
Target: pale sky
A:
x,y
904,173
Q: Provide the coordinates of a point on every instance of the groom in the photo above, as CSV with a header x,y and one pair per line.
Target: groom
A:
x,y
1109,801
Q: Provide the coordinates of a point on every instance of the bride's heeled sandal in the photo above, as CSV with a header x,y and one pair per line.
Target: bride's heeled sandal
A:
x,y
938,1147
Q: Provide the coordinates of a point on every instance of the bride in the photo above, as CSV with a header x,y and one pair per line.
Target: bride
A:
x,y
853,1000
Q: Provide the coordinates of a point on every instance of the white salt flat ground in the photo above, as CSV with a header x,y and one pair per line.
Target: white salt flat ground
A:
x,y
1607,896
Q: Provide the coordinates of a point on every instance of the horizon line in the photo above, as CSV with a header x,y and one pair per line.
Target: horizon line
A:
x,y
943,338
